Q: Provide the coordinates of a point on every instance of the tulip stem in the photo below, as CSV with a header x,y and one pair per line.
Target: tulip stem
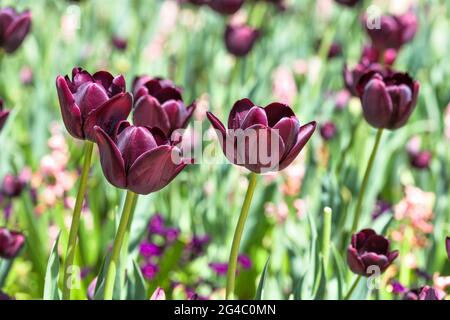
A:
x,y
73,234
365,181
124,225
353,287
232,263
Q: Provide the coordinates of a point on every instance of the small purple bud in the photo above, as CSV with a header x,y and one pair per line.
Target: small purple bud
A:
x,y
119,43
420,160
149,271
328,130
245,261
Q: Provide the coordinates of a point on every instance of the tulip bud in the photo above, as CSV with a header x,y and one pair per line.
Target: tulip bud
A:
x,y
159,294
239,39
226,7
420,160
10,243
14,27
388,100
12,186
328,130
119,43
369,252
3,115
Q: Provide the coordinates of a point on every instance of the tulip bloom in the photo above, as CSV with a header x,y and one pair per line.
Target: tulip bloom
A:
x,y
3,115
447,246
239,39
14,27
159,103
262,139
328,130
348,3
92,100
226,7
387,100
424,293
10,243
369,252
12,186
353,76
139,159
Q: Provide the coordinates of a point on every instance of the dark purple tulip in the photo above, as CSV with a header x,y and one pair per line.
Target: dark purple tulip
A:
x,y
139,159
159,103
226,7
239,39
423,293
14,27
348,3
368,249
447,246
12,186
381,207
10,243
388,100
393,31
421,159
262,139
89,100
353,76
119,43
328,130
335,50
3,114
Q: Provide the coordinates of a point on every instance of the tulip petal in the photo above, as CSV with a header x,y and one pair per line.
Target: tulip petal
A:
x,y
71,114
256,115
277,111
375,260
354,262
168,93
172,109
392,256
16,32
155,169
215,122
108,115
148,112
377,104
304,134
238,112
133,142
288,129
104,78
188,114
377,244
111,159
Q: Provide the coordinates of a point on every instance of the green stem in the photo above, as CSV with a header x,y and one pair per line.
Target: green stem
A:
x,y
124,224
365,181
326,235
232,263
354,285
76,217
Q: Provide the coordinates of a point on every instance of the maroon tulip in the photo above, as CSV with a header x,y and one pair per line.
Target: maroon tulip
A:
x,y
10,243
92,100
353,76
158,103
14,27
368,250
239,39
139,159
388,100
423,293
328,130
119,43
3,114
392,31
262,139
226,7
421,159
348,3
447,246
12,186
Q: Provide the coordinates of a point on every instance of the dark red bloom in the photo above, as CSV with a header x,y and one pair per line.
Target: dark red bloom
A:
x,y
3,114
328,130
369,250
239,39
92,100
227,7
423,293
159,103
388,99
14,27
447,246
139,159
348,3
353,76
262,139
12,186
10,243
119,43
420,160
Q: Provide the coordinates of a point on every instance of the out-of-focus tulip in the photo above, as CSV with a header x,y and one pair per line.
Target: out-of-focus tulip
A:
x,y
4,296
159,294
335,50
262,139
348,3
14,27
392,31
227,7
328,130
240,39
369,253
3,114
159,103
139,159
92,100
388,100
12,186
447,246
353,76
424,293
421,159
10,243
26,76
119,43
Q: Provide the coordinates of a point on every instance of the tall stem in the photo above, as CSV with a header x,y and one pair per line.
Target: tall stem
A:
x,y
232,263
124,224
362,191
73,234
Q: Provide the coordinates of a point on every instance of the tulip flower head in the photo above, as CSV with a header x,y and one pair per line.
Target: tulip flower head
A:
x,y
226,7
423,293
14,27
240,39
159,103
10,243
3,114
262,139
328,130
89,100
140,159
353,76
447,246
387,99
369,253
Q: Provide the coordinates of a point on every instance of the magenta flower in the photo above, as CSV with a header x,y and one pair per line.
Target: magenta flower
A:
x,y
219,268
10,243
156,225
369,252
421,159
14,27
244,261
262,139
423,293
240,39
139,159
149,249
3,114
89,100
149,271
159,103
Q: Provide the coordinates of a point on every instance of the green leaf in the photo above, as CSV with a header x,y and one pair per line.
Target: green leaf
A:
x,y
262,280
341,268
320,282
51,291
136,284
